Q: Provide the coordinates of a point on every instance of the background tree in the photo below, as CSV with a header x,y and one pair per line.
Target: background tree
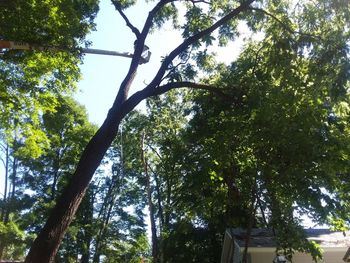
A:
x,y
30,81
35,181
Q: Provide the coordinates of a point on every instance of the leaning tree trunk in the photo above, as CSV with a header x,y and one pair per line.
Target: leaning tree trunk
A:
x,y
46,245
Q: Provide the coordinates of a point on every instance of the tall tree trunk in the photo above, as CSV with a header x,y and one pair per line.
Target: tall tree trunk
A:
x,y
150,204
161,218
45,246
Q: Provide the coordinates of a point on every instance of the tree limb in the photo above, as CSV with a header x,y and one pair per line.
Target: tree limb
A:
x,y
186,84
126,19
137,97
135,61
200,1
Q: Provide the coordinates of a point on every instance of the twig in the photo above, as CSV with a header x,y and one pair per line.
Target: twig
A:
x,y
118,7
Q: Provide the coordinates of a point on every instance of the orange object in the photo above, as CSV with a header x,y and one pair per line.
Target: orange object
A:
x,y
5,44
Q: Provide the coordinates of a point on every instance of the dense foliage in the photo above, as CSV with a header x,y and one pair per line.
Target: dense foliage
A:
x,y
258,142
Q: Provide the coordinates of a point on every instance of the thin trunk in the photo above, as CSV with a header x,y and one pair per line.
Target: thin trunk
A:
x,y
2,249
169,190
161,218
14,177
56,167
5,205
233,195
87,220
13,191
250,225
160,208
106,213
6,208
102,233
150,204
159,200
3,209
262,211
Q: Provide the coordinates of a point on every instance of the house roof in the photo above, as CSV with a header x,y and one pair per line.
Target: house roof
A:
x,y
265,237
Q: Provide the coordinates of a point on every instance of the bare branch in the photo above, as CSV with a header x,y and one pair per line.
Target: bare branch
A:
x,y
137,97
155,151
138,49
127,21
199,1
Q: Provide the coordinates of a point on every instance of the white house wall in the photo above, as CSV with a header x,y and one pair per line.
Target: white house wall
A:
x,y
266,255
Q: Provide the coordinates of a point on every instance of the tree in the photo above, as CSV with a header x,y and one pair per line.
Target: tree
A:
x,y
201,20
35,181
30,81
283,131
51,235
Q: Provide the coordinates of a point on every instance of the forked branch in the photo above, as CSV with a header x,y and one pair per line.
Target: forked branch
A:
x,y
119,8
